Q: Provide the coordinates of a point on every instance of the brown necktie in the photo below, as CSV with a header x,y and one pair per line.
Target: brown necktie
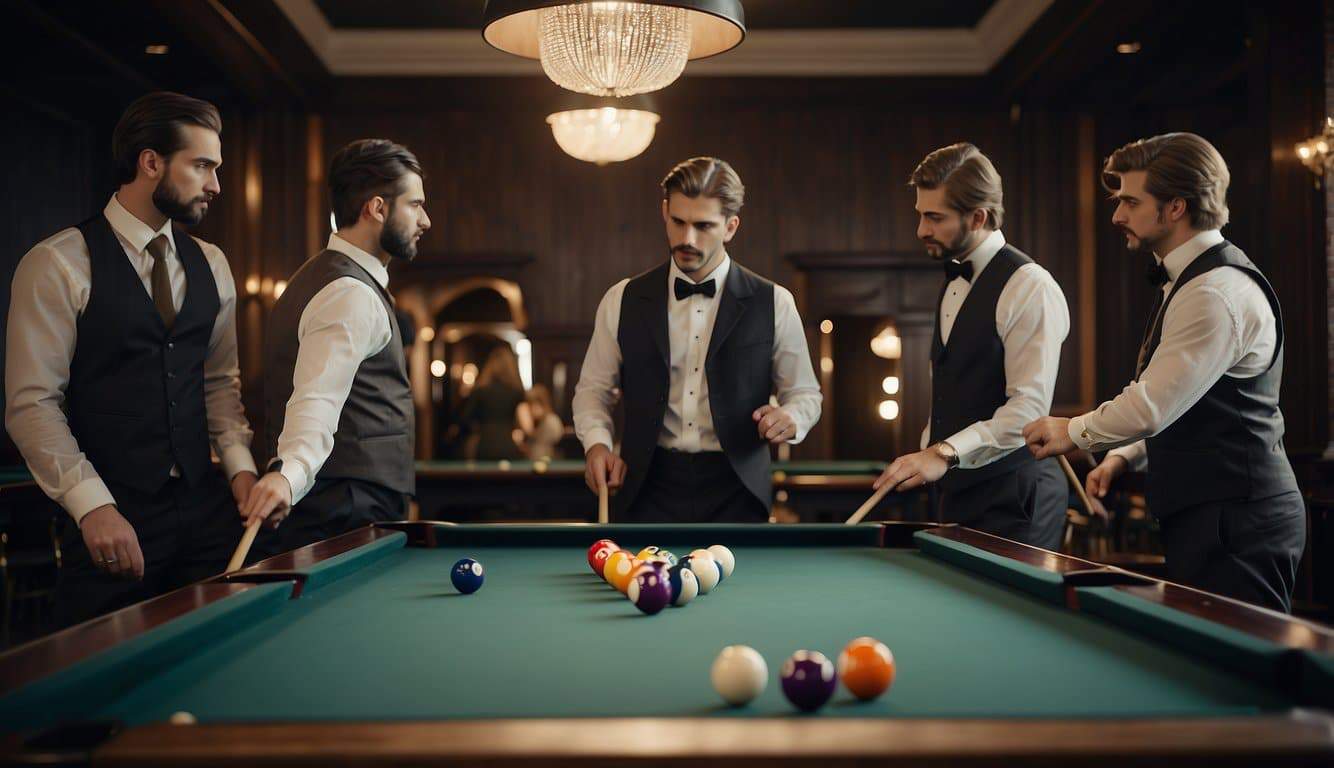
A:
x,y
161,282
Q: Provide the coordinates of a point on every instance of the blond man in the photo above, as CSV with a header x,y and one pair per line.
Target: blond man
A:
x,y
1201,414
697,346
1000,322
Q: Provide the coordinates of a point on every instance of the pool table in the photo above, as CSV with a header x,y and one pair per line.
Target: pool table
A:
x,y
472,491
357,651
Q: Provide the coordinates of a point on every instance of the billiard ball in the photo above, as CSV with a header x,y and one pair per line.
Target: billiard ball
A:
x,y
666,557
182,718
504,465
649,590
540,467
706,570
684,584
647,552
620,570
612,562
739,674
808,680
467,575
866,668
598,553
723,556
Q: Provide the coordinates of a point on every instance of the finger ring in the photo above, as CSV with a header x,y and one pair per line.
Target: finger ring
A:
x,y
108,561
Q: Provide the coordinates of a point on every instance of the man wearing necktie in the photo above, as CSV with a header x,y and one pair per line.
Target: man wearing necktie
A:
x,y
121,371
1201,415
697,346
995,351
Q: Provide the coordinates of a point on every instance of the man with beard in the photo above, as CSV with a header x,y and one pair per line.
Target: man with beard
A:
x,y
336,393
1201,414
697,346
121,370
995,351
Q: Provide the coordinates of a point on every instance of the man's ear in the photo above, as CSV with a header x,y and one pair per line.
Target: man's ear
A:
x,y
376,209
151,164
733,223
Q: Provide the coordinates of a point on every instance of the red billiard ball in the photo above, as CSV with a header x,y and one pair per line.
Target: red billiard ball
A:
x,y
598,554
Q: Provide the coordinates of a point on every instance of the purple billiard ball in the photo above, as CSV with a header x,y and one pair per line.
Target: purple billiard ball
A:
x,y
467,575
808,680
650,591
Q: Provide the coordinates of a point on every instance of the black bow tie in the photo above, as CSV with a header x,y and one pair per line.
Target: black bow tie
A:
x,y
1156,274
955,268
686,289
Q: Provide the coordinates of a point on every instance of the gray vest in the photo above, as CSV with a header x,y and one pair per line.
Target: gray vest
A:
x,y
968,373
738,367
1229,445
374,440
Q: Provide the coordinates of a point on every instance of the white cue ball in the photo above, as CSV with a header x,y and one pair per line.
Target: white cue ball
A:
x,y
725,558
706,570
739,674
182,718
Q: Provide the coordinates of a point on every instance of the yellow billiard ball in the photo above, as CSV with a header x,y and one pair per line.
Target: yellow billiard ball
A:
x,y
539,466
613,559
780,476
504,465
182,718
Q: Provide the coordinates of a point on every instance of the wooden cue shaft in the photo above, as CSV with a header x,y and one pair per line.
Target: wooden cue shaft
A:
x,y
1074,480
243,549
603,517
866,508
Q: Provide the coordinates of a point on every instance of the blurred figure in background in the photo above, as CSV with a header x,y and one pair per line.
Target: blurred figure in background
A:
x,y
546,427
492,411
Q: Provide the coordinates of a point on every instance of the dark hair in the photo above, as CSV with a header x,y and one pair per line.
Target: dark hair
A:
x,y
154,121
710,177
364,169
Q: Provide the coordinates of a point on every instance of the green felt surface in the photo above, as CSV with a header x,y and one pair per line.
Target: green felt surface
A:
x,y
545,638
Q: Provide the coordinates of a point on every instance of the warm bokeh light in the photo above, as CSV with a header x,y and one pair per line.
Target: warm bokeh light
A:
x,y
889,409
890,385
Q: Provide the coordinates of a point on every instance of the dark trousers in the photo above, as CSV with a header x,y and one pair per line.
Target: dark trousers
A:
x,y
331,508
1248,550
1026,505
694,488
186,533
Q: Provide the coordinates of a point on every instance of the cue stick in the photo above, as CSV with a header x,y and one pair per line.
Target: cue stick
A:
x,y
243,549
1074,480
602,503
866,508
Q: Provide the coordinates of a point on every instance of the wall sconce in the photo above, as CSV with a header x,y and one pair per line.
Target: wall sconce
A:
x,y
890,384
252,285
887,344
279,287
889,410
439,369
1315,152
826,326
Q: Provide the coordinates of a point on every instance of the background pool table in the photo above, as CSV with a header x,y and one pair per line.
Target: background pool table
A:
x,y
358,649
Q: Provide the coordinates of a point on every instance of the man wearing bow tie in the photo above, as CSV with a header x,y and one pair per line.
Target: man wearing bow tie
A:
x,y
697,346
995,351
1201,415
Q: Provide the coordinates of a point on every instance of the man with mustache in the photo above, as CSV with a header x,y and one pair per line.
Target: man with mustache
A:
x,y
995,351
336,392
1201,414
121,371
697,346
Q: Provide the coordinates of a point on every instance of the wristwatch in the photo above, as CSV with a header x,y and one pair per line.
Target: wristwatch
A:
x,y
946,451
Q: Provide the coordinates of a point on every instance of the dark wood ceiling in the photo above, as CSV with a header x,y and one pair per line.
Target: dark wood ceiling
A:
x,y
760,14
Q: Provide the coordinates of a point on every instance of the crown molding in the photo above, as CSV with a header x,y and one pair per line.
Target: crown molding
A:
x,y
783,53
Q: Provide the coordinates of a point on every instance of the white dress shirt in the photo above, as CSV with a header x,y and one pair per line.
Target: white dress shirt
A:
x,y
1219,324
51,289
687,424
344,324
1032,320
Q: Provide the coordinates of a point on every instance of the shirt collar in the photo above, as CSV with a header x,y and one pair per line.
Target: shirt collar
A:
x,y
719,275
134,231
1181,256
363,259
985,251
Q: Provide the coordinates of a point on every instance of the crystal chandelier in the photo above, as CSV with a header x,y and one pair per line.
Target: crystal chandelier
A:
x,y
605,135
614,48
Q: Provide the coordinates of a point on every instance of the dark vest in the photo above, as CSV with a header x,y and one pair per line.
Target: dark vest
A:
x,y
738,367
968,373
1229,445
136,389
376,429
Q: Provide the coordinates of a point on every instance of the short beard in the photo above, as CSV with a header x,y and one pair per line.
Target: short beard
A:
x,y
169,203
1147,245
397,243
960,246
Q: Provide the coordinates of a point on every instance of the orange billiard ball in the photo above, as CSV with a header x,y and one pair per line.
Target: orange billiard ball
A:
x,y
866,668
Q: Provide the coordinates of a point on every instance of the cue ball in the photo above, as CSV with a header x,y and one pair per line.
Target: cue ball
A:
x,y
866,668
725,559
739,674
182,718
504,465
808,680
467,575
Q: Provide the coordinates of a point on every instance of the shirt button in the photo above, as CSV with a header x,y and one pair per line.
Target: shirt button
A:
x,y
173,403
171,375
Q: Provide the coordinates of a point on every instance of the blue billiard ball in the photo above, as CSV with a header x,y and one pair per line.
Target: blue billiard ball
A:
x,y
467,576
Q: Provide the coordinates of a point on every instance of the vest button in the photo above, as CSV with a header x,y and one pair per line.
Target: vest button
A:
x,y
173,403
171,375
171,345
